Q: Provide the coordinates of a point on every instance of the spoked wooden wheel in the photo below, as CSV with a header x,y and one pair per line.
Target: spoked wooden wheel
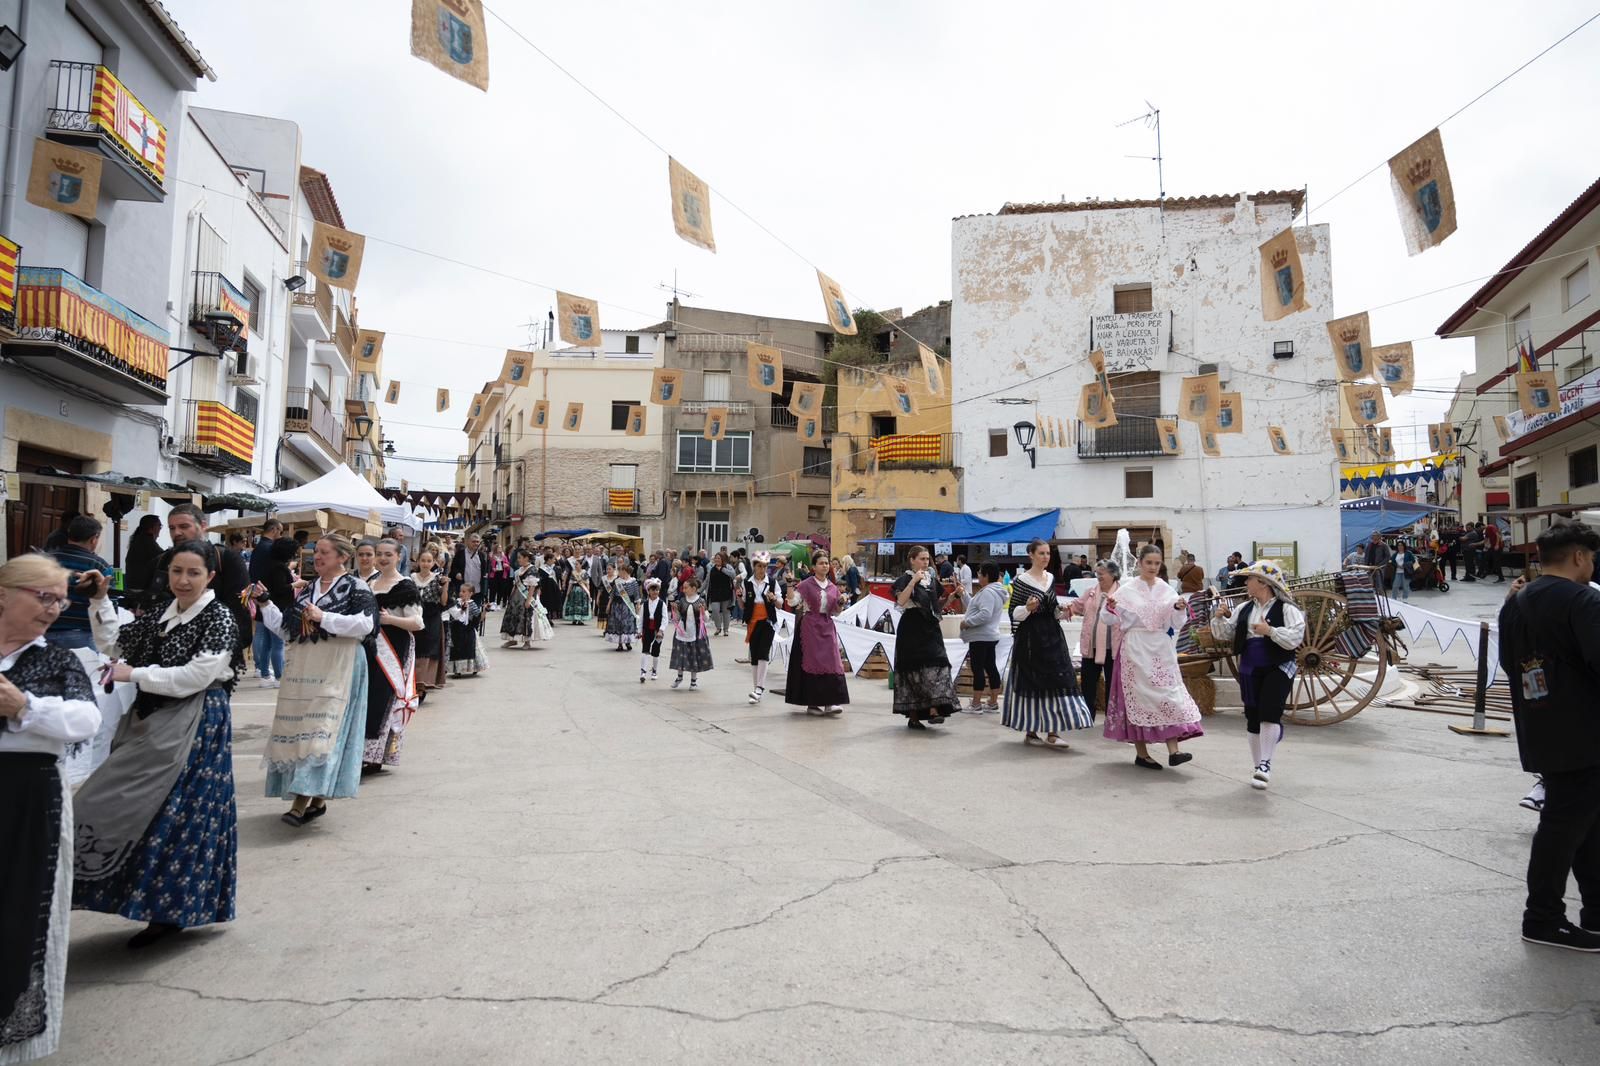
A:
x,y
1331,686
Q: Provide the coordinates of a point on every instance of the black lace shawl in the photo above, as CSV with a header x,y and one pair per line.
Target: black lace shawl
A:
x,y
349,595
1043,663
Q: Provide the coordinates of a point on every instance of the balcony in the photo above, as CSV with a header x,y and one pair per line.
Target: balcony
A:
x,y
344,335
220,312
908,451
217,438
619,501
75,332
700,407
1135,438
91,109
311,307
308,414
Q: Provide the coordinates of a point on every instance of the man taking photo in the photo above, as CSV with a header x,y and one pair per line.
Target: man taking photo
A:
x,y
1550,651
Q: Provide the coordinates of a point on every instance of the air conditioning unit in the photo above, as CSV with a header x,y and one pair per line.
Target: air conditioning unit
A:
x,y
1223,371
241,372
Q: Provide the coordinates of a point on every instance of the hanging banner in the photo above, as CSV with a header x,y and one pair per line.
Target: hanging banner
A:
x,y
838,311
1341,445
1501,428
1279,440
65,179
1395,367
691,206
1229,417
749,491
1130,342
1352,346
1422,193
1209,444
579,320
931,371
809,429
1386,443
1537,393
369,351
573,420
716,423
1365,403
336,255
901,398
1095,408
441,400
1198,399
450,35
764,367
1097,360
794,483
806,399
1441,437
393,395
541,414
636,420
476,410
517,368
666,387
1283,282
1167,435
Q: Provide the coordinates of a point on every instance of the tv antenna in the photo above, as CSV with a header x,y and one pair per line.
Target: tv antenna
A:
x,y
538,332
1152,120
673,288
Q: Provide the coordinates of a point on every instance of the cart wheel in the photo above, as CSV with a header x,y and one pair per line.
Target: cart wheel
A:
x,y
1444,586
1329,685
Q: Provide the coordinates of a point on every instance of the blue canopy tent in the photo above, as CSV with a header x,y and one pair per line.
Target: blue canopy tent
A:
x,y
565,534
943,527
1359,519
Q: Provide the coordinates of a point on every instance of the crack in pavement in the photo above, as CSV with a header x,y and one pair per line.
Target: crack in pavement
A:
x,y
287,1039
1442,1023
1332,842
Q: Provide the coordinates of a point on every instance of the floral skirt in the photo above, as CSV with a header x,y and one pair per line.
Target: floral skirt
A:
x,y
1119,728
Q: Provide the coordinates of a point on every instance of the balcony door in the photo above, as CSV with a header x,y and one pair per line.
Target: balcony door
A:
x,y
711,531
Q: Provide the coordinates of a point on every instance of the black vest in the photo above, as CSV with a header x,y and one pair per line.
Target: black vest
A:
x,y
1277,655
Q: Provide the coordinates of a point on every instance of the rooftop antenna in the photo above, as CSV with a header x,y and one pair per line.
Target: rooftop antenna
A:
x,y
673,288
1152,120
538,336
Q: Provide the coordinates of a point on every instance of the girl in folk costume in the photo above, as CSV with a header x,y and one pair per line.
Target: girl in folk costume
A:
x,y
622,618
923,687
576,609
1042,689
652,627
550,593
391,661
1148,702
760,596
47,708
524,621
602,599
1265,632
432,651
318,727
158,834
816,673
1101,638
466,656
691,641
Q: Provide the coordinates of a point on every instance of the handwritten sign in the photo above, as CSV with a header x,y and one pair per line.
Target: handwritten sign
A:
x,y
1132,342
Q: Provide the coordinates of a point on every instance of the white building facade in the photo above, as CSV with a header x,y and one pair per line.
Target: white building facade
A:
x,y
1028,282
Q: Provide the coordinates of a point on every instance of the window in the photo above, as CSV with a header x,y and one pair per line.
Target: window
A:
x,y
778,412
630,345
1138,483
711,531
624,476
1575,286
817,462
1130,298
696,455
628,531
248,407
252,293
813,514
883,425
1583,467
1527,490
1520,328
619,413
999,443
715,385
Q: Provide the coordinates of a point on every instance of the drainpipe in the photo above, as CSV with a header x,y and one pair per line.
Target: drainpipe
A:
x,y
8,197
544,454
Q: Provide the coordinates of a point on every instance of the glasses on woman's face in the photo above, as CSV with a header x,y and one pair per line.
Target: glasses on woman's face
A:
x,y
49,600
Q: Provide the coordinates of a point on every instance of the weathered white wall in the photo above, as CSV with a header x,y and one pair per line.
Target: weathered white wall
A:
x,y
1026,286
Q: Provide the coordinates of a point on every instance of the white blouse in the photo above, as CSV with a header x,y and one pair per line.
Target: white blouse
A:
x,y
48,723
196,675
333,624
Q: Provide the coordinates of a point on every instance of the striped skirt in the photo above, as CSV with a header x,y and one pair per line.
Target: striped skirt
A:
x,y
1042,712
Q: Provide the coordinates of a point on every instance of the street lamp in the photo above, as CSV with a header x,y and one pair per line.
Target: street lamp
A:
x,y
363,425
11,47
1024,432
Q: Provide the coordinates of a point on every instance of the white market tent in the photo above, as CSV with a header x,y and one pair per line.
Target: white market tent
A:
x,y
341,491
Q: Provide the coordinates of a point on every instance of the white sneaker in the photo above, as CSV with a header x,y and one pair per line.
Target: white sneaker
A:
x,y
274,683
1534,800
1262,776
755,697
264,682
677,681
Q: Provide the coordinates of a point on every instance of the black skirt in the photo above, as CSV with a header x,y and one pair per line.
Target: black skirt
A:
x,y
30,840
812,690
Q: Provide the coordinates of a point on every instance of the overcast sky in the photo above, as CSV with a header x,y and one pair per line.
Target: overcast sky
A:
x,y
856,132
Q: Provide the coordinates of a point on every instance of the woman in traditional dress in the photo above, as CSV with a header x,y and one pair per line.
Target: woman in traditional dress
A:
x,y
391,661
621,621
816,673
576,609
924,691
315,743
47,706
691,640
652,628
1041,688
525,620
367,560
158,831
433,589
761,596
602,599
550,593
1147,700
466,657
1101,638
1265,633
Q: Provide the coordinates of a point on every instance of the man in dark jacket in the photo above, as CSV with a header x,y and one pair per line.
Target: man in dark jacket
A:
x,y
1550,651
144,549
261,552
188,522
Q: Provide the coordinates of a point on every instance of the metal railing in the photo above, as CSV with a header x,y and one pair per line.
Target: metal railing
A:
x,y
1131,438
779,417
217,437
220,310
906,451
315,295
72,110
307,412
690,342
619,501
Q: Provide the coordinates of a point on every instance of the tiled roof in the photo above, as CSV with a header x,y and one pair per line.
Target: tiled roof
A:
x,y
1295,198
179,39
319,197
1577,211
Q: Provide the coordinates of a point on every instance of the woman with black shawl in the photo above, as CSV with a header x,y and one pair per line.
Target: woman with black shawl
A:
x,y
924,691
1041,690
391,660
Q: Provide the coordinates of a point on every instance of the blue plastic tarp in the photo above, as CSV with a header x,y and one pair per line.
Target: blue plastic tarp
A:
x,y
567,533
1359,519
942,527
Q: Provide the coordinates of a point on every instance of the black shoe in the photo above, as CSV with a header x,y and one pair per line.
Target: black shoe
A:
x,y
296,820
151,933
1148,764
1469,579
915,723
1178,758
313,813
1566,935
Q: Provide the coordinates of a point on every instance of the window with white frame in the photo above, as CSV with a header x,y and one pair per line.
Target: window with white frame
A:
x,y
1575,287
696,455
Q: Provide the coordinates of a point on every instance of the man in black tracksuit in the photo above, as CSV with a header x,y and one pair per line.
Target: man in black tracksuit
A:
x,y
1550,651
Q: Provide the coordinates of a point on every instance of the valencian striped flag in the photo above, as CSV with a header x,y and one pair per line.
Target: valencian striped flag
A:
x,y
9,252
119,113
219,427
621,499
906,448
